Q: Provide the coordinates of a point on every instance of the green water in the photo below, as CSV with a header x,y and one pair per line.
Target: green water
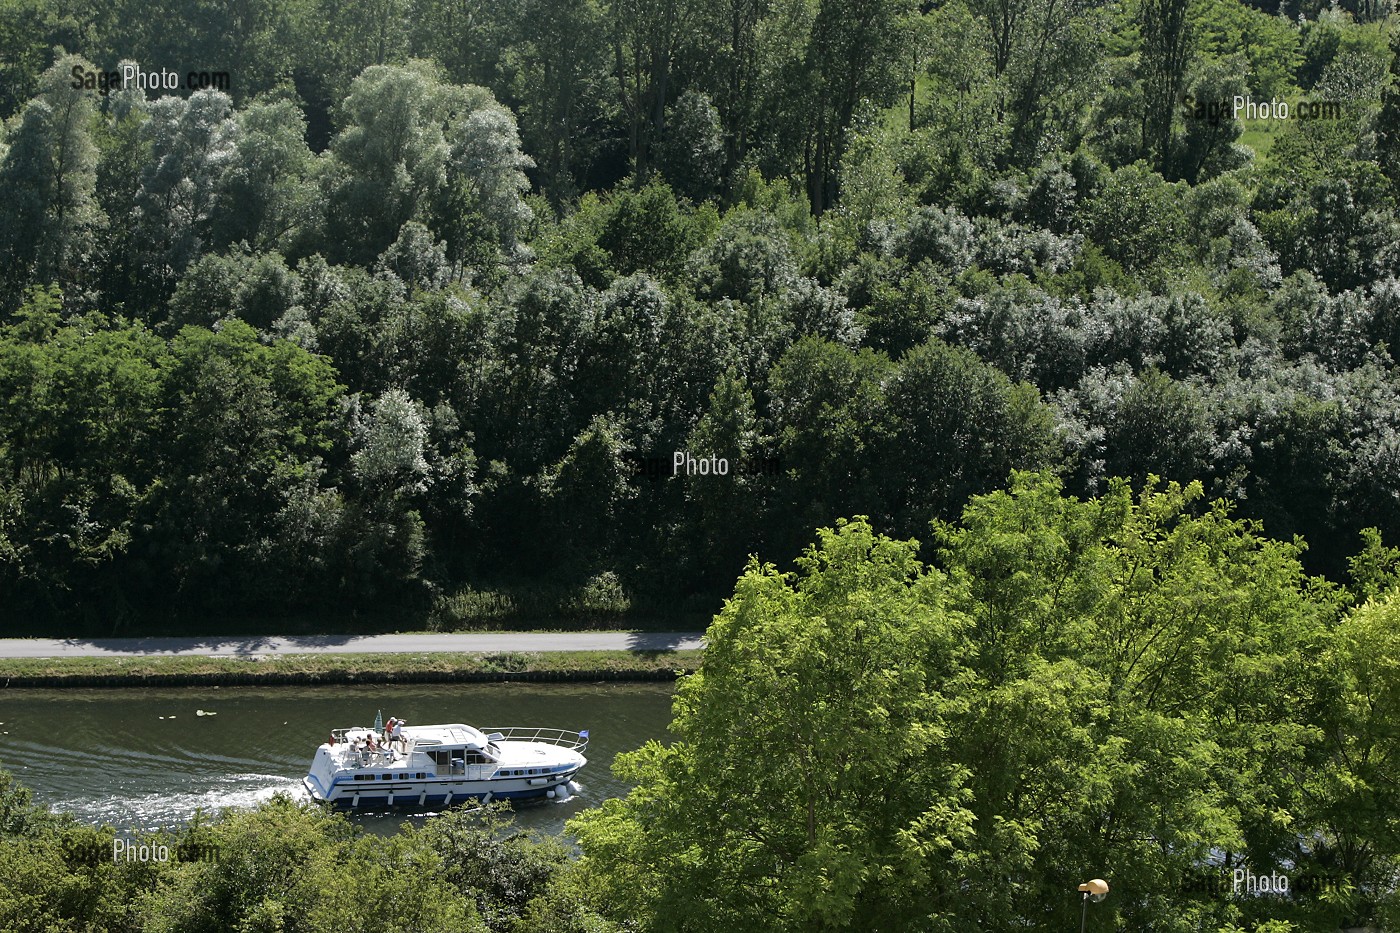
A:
x,y
107,756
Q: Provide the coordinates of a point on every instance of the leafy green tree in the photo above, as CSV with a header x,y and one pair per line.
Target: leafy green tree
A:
x,y
842,675
691,155
256,288
735,32
1387,126
499,868
827,418
1137,218
292,867
1270,44
957,427
467,39
647,36
1208,146
414,148
1139,670
1041,51
389,157
729,511
1375,569
392,441
242,423
649,231
1351,826
1109,686
850,54
78,438
586,491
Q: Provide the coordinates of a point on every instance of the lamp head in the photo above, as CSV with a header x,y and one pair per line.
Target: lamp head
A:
x,y
1095,890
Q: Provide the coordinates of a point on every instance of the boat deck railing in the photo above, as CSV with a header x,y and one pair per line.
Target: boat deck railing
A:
x,y
578,741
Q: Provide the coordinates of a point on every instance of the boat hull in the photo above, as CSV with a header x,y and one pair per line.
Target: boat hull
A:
x,y
435,794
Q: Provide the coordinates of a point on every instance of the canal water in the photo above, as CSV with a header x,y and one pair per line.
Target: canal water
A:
x,y
108,756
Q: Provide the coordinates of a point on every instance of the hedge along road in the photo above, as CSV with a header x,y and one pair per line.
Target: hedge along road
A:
x,y
273,645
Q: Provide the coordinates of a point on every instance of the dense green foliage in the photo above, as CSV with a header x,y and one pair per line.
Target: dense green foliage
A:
x,y
1106,688
417,313
1138,687
279,868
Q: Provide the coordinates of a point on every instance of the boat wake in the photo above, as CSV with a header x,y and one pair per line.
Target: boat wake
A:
x,y
152,811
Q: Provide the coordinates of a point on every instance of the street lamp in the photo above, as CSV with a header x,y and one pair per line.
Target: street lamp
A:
x,y
1095,891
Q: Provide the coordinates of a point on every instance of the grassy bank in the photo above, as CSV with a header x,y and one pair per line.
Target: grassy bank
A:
x,y
347,668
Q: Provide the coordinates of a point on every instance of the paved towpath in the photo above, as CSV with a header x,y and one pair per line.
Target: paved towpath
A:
x,y
260,646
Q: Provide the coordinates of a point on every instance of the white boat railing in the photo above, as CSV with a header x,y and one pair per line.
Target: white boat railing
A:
x,y
561,737
578,741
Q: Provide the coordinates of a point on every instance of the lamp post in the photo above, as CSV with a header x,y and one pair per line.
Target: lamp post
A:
x,y
1095,890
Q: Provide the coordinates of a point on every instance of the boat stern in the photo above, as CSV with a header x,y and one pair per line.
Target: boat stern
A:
x,y
321,776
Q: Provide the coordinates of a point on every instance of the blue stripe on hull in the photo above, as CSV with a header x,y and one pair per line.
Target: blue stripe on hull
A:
x,y
432,801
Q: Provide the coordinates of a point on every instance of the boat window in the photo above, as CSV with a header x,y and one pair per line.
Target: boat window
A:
x,y
386,777
443,757
364,777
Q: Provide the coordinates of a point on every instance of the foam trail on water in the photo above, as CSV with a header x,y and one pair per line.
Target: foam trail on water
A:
x,y
166,811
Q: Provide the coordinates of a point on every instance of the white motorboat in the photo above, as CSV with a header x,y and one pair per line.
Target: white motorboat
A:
x,y
429,767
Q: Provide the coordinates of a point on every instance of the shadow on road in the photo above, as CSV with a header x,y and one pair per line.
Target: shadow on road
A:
x,y
664,641
231,645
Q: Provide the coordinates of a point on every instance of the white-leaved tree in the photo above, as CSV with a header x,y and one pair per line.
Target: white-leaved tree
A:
x,y
392,445
192,143
49,216
268,197
413,148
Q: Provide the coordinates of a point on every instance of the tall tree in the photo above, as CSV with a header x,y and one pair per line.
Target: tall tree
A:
x,y
413,148
647,40
850,57
1041,52
191,142
561,79
49,216
1163,59
1388,119
268,196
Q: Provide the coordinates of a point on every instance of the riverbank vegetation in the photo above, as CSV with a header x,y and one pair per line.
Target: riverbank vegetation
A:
x,y
1126,687
1140,687
280,867
415,314
155,670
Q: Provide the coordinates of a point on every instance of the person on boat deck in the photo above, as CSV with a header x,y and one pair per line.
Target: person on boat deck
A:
x,y
389,730
397,734
332,742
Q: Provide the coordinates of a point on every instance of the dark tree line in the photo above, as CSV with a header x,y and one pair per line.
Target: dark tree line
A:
x,y
394,322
